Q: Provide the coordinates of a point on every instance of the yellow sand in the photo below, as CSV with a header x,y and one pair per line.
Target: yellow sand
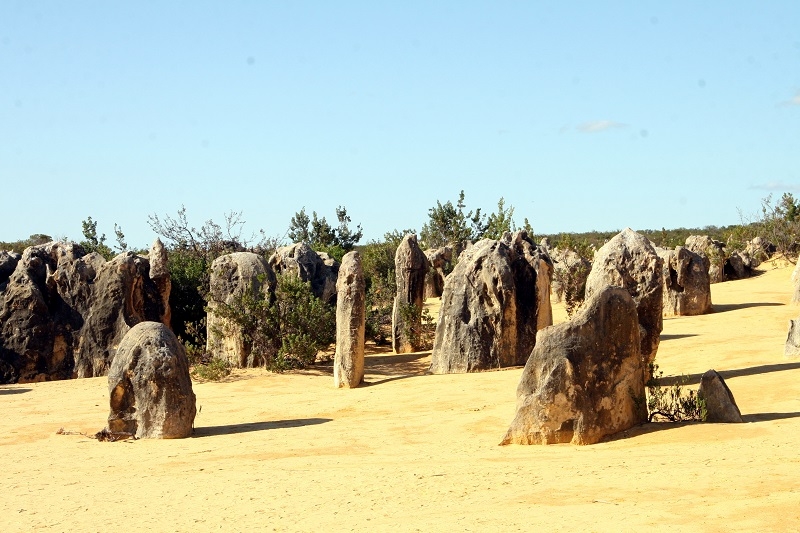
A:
x,y
415,452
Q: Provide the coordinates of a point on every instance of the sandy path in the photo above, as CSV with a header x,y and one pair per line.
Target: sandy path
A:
x,y
413,452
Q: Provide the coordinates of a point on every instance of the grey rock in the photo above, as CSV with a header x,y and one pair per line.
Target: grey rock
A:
x,y
159,273
348,363
584,380
687,287
792,346
629,261
63,312
720,404
122,296
411,265
529,254
232,276
714,251
317,268
438,259
491,307
8,262
735,267
757,251
149,386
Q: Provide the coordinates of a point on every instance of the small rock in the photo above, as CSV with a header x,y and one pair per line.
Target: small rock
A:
x,y
720,405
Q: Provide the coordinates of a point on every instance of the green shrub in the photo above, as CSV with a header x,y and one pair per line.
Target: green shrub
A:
x,y
283,332
418,326
672,403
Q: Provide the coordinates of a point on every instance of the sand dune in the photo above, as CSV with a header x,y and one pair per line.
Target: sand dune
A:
x,y
415,452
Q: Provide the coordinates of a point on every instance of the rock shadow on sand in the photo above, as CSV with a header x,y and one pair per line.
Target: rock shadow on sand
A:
x,y
694,379
230,429
724,308
13,391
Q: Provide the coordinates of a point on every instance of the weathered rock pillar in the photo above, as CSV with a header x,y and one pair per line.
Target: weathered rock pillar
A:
x,y
348,363
411,265
149,385
159,273
232,276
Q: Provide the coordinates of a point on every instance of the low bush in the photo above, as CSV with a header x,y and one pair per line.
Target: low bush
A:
x,y
672,403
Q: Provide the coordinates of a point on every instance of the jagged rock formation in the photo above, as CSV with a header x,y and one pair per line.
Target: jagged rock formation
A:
x,y
687,288
63,312
719,402
317,268
492,306
159,273
149,385
438,259
348,363
232,276
629,261
792,346
584,380
713,250
411,265
536,256
757,251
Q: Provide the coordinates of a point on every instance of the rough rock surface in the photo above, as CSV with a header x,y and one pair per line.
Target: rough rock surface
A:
x,y
711,249
490,307
758,250
583,379
317,268
232,276
438,259
159,273
411,265
629,261
530,254
687,288
735,267
792,346
123,295
720,405
348,362
149,385
63,312
8,262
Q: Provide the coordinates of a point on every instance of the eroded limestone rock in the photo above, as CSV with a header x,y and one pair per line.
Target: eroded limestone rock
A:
x,y
629,261
232,276
584,380
719,401
348,363
149,385
687,288
492,306
411,266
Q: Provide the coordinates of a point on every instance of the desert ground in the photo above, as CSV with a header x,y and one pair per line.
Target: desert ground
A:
x,y
416,452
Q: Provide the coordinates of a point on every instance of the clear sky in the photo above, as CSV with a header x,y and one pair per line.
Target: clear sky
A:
x,y
583,115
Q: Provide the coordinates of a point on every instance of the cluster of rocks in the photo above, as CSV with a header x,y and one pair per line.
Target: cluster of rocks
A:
x,y
64,312
585,378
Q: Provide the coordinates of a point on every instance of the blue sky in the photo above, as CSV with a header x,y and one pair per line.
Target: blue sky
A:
x,y
582,115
